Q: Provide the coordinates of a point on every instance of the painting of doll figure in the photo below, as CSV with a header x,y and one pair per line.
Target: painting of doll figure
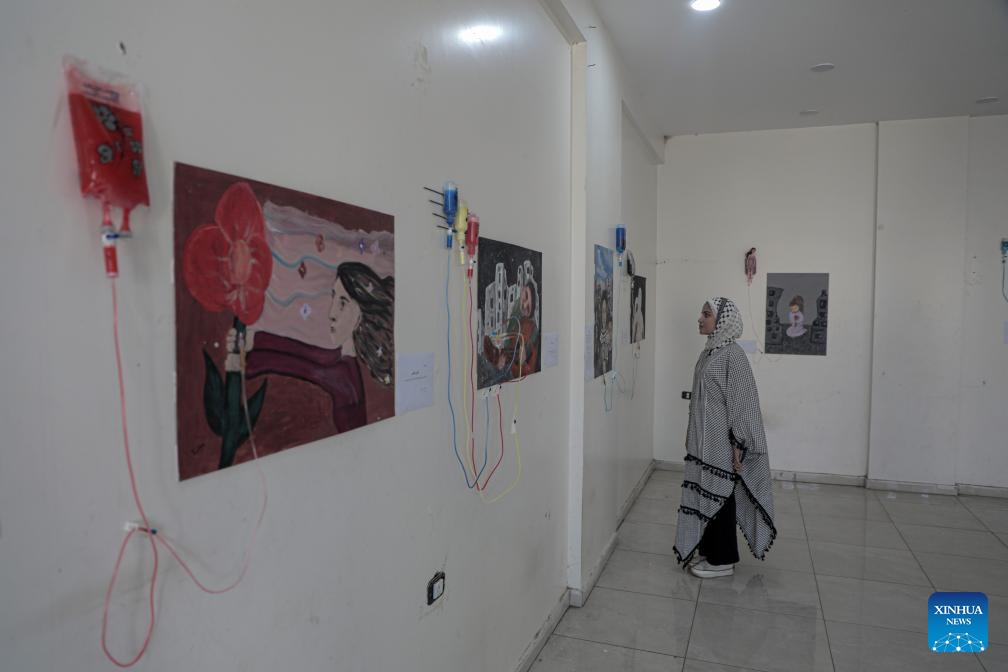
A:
x,y
285,306
797,313
509,312
638,300
603,302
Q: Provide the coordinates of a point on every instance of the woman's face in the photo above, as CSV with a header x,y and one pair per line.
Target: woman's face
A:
x,y
706,321
794,307
344,314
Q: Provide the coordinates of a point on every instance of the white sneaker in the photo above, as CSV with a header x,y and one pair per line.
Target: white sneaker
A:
x,y
705,570
696,560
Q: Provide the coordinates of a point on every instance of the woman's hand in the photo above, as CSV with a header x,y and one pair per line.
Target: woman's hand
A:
x,y
236,346
737,460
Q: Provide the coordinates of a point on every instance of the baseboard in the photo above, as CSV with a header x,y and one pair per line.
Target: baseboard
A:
x,y
542,635
579,597
983,490
823,479
635,493
668,465
907,486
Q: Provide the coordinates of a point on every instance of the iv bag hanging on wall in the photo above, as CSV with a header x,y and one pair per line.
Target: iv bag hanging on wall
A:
x,y
108,134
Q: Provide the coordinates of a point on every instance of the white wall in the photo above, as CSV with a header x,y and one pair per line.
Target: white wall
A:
x,y
915,380
919,277
608,467
634,399
983,427
805,199
941,377
360,101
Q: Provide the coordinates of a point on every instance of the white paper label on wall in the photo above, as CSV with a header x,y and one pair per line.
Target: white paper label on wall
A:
x,y
749,346
414,382
551,349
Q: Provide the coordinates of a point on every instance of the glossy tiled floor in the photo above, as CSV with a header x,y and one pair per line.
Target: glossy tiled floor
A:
x,y
845,588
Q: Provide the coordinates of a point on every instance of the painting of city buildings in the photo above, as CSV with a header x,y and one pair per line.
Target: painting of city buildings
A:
x,y
509,312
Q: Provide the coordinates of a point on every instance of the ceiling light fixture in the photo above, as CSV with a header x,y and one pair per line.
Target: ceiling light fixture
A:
x,y
987,100
705,5
822,67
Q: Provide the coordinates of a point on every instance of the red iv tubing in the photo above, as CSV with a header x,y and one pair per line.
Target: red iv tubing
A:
x,y
153,537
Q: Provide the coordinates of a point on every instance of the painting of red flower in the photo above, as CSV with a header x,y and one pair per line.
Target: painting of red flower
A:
x,y
284,318
227,264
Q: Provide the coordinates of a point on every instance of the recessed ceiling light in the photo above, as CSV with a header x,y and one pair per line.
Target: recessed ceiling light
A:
x,y
480,34
822,67
705,5
808,112
988,99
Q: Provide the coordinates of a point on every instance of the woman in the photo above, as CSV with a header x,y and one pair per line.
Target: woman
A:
x,y
797,307
637,323
727,473
361,328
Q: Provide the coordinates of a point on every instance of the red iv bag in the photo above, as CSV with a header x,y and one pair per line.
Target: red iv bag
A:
x,y
108,134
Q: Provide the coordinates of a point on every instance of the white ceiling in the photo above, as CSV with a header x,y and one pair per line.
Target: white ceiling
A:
x,y
745,66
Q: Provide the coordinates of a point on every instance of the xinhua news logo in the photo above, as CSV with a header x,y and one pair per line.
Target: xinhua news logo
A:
x,y
957,622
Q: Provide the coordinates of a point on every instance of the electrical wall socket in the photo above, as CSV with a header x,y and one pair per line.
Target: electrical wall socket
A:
x,y
435,587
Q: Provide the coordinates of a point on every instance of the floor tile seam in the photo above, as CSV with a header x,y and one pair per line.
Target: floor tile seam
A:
x,y
989,529
906,522
874,627
820,615
984,509
890,521
944,527
867,494
732,667
935,507
815,579
843,543
954,555
689,636
766,612
622,646
640,592
892,583
965,555
649,522
912,553
860,578
633,550
867,520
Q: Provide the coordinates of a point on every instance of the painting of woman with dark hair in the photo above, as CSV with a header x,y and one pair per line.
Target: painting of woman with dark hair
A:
x,y
360,324
285,312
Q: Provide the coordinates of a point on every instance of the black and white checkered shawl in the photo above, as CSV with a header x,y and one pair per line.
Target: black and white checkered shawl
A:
x,y
724,410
